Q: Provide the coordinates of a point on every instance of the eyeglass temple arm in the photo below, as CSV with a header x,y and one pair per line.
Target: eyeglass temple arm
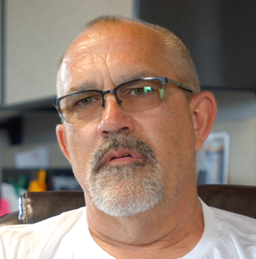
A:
x,y
183,86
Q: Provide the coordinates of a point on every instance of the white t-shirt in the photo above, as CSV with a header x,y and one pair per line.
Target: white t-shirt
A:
x,y
226,236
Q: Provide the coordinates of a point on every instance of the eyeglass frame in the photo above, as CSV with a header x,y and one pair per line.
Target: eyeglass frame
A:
x,y
164,81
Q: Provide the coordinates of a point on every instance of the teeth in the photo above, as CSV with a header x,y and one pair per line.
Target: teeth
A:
x,y
126,155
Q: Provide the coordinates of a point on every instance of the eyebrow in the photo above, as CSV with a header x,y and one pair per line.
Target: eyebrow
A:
x,y
127,78
92,85
86,85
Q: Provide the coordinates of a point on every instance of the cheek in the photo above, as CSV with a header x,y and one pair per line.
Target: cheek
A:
x,y
80,145
171,136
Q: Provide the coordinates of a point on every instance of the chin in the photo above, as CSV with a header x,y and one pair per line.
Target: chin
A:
x,y
127,190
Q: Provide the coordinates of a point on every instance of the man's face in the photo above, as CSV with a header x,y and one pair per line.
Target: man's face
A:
x,y
127,162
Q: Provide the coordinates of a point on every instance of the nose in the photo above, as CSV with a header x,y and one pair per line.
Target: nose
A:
x,y
114,119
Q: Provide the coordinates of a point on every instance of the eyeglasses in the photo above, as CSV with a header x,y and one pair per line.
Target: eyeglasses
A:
x,y
133,96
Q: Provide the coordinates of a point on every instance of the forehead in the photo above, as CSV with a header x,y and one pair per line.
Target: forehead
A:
x,y
116,37
118,50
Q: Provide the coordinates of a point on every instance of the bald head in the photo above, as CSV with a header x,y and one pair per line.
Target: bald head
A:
x,y
121,31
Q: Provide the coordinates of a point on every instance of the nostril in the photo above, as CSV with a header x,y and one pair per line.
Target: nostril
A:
x,y
124,130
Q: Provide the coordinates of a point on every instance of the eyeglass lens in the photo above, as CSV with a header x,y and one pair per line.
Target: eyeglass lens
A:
x,y
135,96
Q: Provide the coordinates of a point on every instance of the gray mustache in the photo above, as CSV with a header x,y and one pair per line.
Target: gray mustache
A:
x,y
117,141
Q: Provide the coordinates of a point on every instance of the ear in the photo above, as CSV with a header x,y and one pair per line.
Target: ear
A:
x,y
203,109
62,140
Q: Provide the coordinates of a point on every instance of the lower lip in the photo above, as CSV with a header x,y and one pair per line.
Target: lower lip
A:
x,y
123,160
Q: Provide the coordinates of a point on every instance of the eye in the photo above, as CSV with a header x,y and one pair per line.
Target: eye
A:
x,y
85,101
142,90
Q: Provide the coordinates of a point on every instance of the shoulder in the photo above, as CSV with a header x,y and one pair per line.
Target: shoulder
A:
x,y
236,235
69,215
17,237
234,221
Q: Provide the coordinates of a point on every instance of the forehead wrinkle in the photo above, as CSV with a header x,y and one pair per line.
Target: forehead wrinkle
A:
x,y
93,38
92,85
80,45
148,40
89,46
70,61
80,65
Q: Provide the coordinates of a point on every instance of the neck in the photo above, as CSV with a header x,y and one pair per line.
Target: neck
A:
x,y
169,234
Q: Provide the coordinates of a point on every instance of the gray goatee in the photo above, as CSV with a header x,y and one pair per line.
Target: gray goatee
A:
x,y
127,189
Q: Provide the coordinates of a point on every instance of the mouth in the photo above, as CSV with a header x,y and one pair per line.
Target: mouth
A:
x,y
121,157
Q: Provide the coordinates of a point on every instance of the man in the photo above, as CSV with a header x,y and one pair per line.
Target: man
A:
x,y
133,119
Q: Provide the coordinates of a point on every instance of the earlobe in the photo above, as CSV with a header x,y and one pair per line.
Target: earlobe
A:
x,y
204,109
62,140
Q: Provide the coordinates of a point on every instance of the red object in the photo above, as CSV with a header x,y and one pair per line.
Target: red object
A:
x,y
4,207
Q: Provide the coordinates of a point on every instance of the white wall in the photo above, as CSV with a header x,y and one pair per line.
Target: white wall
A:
x,y
37,34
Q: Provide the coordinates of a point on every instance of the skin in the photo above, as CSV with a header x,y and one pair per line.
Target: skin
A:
x,y
175,131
